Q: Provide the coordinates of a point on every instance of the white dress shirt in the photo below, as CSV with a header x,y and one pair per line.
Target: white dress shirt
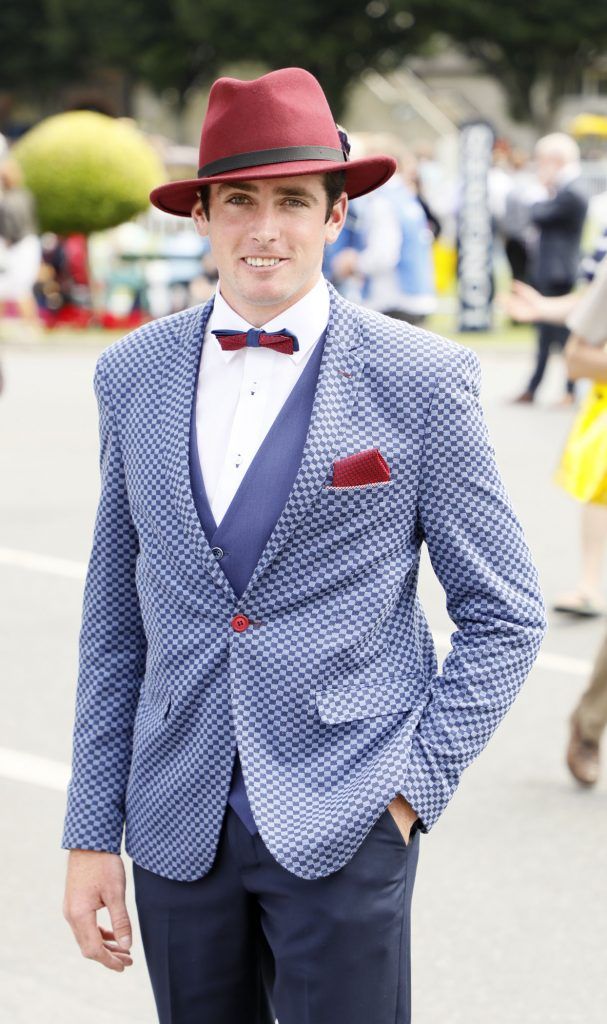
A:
x,y
240,393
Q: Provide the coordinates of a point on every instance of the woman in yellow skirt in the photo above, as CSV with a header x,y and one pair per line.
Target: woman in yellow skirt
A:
x,y
582,470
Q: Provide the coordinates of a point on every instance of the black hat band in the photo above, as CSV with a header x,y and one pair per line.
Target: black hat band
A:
x,y
289,154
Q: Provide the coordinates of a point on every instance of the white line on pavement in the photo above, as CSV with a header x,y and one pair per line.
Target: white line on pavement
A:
x,y
561,663
43,563
40,771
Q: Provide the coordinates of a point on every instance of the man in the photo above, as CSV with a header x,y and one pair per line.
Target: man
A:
x,y
559,220
258,694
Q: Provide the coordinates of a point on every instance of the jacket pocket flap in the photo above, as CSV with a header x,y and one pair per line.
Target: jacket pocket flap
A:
x,y
392,696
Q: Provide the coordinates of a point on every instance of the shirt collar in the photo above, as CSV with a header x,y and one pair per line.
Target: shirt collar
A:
x,y
306,319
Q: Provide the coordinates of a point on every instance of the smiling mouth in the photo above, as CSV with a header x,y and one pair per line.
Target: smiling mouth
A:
x,y
262,261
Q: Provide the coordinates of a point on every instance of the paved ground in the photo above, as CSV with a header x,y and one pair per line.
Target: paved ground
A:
x,y
510,908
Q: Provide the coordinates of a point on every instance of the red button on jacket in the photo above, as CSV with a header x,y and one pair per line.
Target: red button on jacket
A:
x,y
240,623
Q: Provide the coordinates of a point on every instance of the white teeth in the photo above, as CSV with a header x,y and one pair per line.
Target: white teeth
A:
x,y
257,261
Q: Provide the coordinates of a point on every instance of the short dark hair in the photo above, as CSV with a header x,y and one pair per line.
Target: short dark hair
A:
x,y
333,181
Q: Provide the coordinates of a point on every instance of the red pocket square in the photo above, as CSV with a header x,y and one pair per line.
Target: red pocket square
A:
x,y
368,467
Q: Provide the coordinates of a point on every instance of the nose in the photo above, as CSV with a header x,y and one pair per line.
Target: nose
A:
x,y
265,229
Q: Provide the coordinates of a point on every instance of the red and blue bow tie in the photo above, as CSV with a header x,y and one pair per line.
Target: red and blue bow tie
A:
x,y
279,341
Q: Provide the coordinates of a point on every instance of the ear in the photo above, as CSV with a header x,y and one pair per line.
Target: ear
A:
x,y
336,219
200,221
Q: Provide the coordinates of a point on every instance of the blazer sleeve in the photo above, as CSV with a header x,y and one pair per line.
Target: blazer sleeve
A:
x,y
479,554
112,655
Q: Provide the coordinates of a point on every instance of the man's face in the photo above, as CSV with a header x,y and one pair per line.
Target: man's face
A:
x,y
280,221
548,166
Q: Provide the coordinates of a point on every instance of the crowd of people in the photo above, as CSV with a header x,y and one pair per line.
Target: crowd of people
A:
x,y
384,258
20,249
555,222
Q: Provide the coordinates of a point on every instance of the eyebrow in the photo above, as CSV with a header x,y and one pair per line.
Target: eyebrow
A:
x,y
282,190
244,185
303,193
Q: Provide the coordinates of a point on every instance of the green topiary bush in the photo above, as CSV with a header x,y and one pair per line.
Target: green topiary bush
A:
x,y
87,171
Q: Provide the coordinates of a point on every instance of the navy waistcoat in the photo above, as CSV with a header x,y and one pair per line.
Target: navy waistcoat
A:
x,y
241,536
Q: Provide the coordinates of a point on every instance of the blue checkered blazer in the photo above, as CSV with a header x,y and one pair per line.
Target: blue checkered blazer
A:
x,y
332,695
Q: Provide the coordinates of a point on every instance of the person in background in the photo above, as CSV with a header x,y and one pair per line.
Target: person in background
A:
x,y
586,357
436,186
589,718
21,250
585,315
350,237
519,234
417,185
395,262
559,220
3,150
499,181
203,286
592,260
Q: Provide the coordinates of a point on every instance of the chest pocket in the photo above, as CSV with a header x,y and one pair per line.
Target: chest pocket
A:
x,y
346,502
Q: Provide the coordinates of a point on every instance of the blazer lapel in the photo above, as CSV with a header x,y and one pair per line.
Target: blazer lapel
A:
x,y
181,373
339,373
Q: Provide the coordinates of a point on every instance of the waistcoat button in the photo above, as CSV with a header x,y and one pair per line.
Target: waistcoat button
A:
x,y
240,623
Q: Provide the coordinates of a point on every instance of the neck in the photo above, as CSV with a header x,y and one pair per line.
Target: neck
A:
x,y
256,315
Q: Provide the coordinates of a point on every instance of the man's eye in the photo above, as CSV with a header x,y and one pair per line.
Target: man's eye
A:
x,y
238,200
295,202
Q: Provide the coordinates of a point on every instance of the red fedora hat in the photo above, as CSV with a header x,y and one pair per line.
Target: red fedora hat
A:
x,y
275,126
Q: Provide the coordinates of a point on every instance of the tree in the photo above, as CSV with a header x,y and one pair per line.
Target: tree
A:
x,y
537,50
47,45
87,171
181,43
336,40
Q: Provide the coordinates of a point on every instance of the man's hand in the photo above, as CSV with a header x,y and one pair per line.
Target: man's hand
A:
x,y
95,880
403,814
523,303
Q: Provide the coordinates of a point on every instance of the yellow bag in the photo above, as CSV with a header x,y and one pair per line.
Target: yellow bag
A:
x,y
582,471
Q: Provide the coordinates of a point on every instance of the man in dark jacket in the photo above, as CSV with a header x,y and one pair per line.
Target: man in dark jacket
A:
x,y
560,219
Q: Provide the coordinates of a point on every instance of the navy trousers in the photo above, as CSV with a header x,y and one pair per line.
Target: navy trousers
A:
x,y
250,942
549,337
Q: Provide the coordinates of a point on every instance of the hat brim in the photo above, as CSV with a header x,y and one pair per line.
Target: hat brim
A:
x,y
362,176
